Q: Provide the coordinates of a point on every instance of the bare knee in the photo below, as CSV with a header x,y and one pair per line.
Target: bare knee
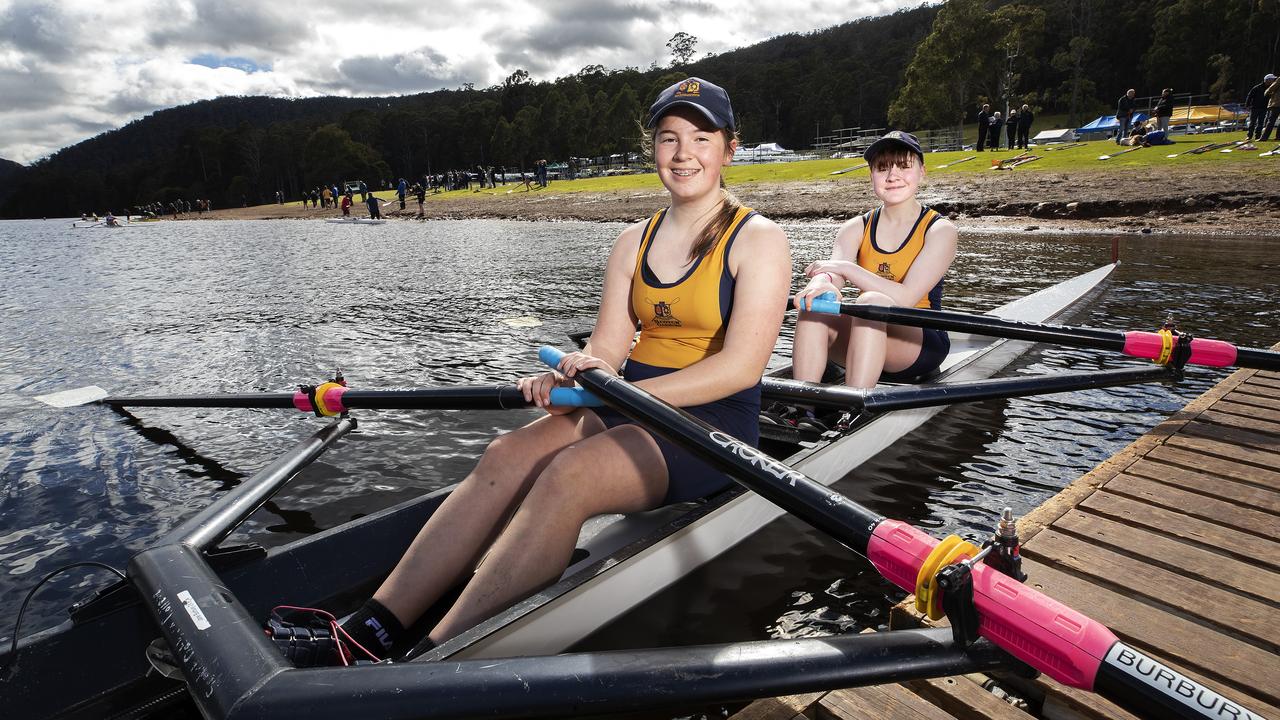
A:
x,y
500,465
871,297
563,486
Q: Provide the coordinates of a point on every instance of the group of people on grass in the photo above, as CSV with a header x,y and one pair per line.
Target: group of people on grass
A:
x,y
704,279
1017,128
1263,102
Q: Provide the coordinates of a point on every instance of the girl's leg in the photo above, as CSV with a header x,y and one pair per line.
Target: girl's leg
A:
x,y
874,347
620,470
462,528
817,335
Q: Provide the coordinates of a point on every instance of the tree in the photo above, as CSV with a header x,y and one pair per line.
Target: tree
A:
x,y
331,156
946,67
682,48
1220,91
502,147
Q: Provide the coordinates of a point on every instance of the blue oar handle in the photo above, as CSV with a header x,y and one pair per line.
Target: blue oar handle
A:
x,y
566,397
827,302
574,397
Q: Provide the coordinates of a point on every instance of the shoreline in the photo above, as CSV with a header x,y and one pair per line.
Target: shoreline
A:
x,y
1229,201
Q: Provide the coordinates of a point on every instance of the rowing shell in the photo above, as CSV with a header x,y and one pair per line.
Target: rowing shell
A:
x,y
631,558
620,561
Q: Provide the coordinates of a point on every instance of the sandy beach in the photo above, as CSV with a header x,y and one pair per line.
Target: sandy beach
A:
x,y
1231,200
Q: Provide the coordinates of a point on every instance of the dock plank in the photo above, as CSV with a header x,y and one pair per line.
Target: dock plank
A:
x,y
785,707
1244,494
1218,448
964,699
1230,405
1233,668
1175,455
1251,424
1270,402
1264,380
1223,538
1206,565
1233,435
890,702
1214,607
1194,504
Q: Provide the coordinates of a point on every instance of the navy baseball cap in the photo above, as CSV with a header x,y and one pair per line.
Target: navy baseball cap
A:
x,y
894,137
708,98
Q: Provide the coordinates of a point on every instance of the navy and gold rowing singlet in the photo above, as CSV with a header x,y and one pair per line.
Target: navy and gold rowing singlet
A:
x,y
894,265
681,323
684,321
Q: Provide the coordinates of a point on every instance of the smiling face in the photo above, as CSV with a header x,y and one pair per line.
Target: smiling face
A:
x,y
689,153
896,175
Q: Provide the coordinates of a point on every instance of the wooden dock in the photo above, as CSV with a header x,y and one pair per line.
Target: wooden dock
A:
x,y
1174,543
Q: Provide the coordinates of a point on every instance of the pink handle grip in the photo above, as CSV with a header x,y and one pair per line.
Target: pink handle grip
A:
x,y
332,400
1211,353
1042,632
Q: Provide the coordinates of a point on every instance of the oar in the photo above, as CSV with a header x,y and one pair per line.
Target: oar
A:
x,y
850,169
1269,153
334,399
957,162
1054,639
1192,150
934,395
1212,353
1118,154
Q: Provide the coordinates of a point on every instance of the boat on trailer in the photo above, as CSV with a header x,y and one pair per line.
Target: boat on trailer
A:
x,y
620,561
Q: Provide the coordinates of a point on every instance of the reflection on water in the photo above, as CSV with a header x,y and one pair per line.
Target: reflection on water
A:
x,y
195,307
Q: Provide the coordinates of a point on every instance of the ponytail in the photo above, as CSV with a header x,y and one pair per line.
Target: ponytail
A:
x,y
718,225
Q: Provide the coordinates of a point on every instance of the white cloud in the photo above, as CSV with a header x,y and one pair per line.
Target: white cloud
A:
x,y
75,68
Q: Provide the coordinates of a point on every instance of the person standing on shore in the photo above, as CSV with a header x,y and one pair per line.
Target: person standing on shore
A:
x,y
1272,94
1164,110
895,255
346,205
702,279
1124,114
1025,118
984,123
374,205
1256,101
1011,129
993,135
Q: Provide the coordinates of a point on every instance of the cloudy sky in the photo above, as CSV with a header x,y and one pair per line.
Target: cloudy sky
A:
x,y
71,69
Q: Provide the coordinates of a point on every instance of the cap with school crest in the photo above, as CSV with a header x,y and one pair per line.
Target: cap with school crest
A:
x,y
707,98
894,137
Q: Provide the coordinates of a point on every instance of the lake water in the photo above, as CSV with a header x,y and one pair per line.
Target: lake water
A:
x,y
201,307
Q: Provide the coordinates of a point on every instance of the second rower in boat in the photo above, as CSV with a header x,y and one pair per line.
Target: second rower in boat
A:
x,y
702,279
895,254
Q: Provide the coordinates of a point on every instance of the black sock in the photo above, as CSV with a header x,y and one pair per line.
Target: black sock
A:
x,y
375,627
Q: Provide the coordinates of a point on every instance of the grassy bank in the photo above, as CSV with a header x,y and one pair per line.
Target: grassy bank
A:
x,y
1082,158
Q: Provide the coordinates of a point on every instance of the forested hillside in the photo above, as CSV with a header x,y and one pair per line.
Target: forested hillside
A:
x,y
920,68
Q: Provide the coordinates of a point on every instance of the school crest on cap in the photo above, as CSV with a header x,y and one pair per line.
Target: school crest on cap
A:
x,y
689,88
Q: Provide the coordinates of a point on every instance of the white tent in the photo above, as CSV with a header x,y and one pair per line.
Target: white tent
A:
x,y
1065,135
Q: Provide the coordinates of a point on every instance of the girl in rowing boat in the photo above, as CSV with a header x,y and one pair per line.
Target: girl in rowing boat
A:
x,y
894,255
702,278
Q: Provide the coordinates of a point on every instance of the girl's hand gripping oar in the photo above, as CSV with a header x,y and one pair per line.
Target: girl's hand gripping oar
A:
x,y
1054,639
1164,347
